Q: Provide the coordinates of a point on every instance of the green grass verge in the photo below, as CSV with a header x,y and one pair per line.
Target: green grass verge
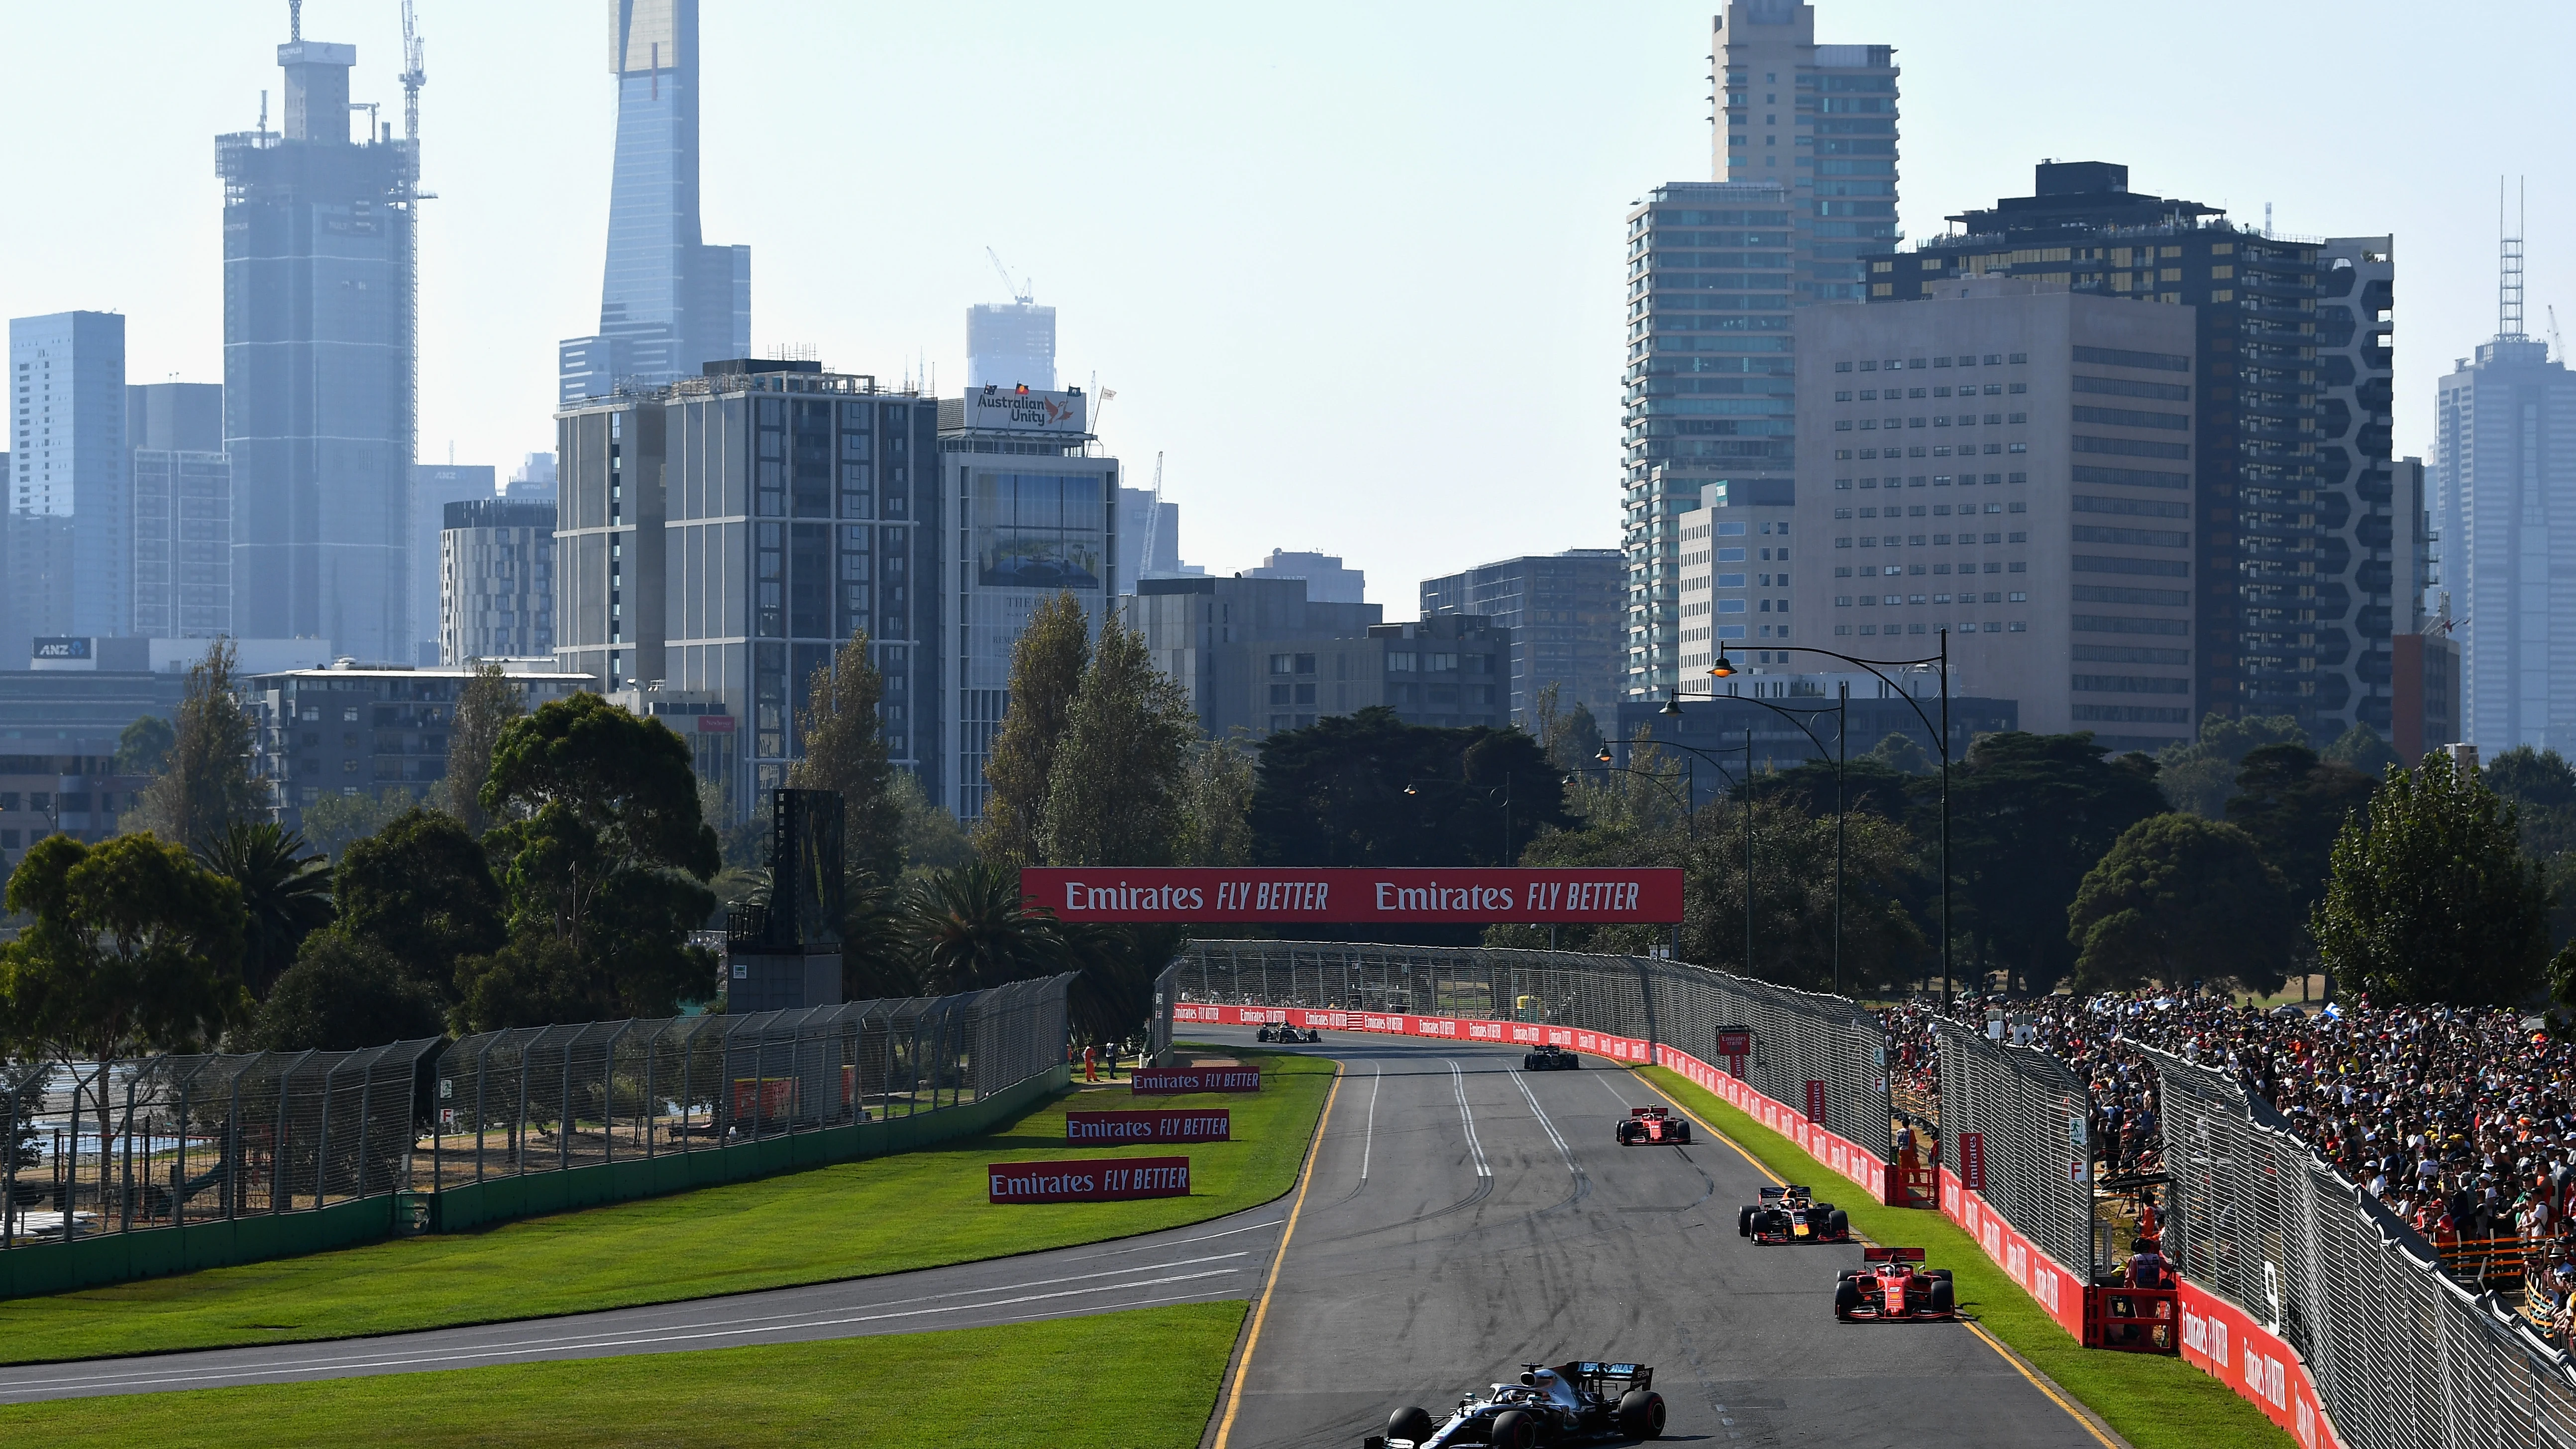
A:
x,y
1146,1377
850,1220
2152,1401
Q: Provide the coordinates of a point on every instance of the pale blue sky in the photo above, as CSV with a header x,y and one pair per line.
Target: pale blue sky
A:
x,y
1355,268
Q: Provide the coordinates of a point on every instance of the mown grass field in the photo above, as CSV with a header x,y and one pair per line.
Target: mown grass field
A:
x,y
2152,1401
1142,1379
884,1215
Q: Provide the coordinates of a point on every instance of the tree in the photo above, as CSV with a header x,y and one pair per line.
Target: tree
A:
x,y
2179,900
207,783
2030,814
143,747
2199,776
1367,789
845,751
932,838
1570,735
1114,798
2293,804
604,861
1869,786
420,893
1900,753
1216,804
2431,899
133,948
2542,787
484,708
1047,666
972,929
2360,749
333,822
285,893
342,994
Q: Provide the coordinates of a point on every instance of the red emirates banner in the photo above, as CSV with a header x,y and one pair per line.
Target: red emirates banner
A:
x,y
1172,1081
1113,1179
1204,1124
1816,1103
1408,896
1972,1161
1734,1041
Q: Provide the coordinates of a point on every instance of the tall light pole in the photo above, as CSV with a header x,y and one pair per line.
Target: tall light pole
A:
x,y
1725,668
1673,707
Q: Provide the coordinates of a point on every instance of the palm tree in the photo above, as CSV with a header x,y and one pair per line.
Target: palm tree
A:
x,y
286,894
971,930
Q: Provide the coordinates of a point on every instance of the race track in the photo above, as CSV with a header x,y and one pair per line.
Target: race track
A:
x,y
1465,1217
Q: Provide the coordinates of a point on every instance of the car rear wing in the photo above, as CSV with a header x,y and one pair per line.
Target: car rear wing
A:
x,y
1610,1380
1891,1255
1774,1194
1649,1111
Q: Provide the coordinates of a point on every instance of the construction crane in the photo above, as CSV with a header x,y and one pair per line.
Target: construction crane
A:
x,y
415,75
1153,519
1022,291
2557,349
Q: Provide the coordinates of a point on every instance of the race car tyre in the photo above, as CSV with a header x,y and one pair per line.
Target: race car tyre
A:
x,y
1848,1274
1944,1297
1410,1423
1683,1136
1940,1273
1744,1223
1846,1299
1839,1224
1640,1414
1513,1429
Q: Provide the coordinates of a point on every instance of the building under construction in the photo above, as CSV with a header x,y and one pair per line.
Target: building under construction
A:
x,y
321,355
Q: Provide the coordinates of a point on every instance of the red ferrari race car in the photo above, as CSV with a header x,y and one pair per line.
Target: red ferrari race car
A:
x,y
1889,1286
1653,1126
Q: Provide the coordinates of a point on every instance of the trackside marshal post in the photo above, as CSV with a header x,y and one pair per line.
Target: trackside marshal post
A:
x,y
1115,1179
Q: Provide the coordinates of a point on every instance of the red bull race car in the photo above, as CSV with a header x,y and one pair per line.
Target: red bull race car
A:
x,y
1791,1214
1653,1126
1889,1286
1550,1058
1570,1403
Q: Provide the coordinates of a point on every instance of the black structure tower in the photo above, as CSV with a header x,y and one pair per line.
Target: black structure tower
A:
x,y
2291,470
321,356
786,955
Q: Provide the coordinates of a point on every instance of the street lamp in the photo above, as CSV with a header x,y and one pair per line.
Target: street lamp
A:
x,y
1842,757
1674,708
1725,668
1690,827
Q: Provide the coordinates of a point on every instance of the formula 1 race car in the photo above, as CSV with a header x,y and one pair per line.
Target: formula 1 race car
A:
x,y
1572,1403
1792,1215
1550,1058
1653,1126
1889,1286
1287,1034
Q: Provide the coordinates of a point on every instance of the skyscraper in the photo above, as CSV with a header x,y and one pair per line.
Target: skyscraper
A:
x,y
1562,612
668,303
433,487
72,564
1808,160
1010,344
321,364
183,510
2505,481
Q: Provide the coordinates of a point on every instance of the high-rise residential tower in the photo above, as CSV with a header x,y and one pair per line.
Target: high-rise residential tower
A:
x,y
2505,498
2289,445
1562,612
321,362
183,510
72,564
433,487
1808,160
668,303
1010,344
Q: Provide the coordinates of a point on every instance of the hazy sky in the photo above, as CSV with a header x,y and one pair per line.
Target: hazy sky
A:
x,y
1356,270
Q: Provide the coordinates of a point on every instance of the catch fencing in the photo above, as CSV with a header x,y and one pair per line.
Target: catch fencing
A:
x,y
2026,1117
266,1155
1820,1054
2401,1357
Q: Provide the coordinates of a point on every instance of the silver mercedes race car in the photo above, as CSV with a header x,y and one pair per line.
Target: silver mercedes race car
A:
x,y
1584,1402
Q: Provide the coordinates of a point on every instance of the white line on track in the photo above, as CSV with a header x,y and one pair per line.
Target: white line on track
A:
x,y
592,1343
1458,1079
1368,1140
1552,1134
1604,1079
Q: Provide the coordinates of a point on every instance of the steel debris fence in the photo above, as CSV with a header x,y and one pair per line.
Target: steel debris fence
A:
x,y
2033,1114
121,1146
1799,1037
129,1145
2403,1357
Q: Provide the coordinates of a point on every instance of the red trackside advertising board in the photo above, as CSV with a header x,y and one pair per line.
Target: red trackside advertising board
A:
x,y
1201,1124
1172,1081
1114,1179
1470,895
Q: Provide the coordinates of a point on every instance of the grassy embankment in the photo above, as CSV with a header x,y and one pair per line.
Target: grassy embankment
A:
x,y
1141,1379
2152,1401
884,1215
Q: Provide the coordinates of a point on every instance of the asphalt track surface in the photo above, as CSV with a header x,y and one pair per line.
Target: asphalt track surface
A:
x,y
1465,1217
1461,1217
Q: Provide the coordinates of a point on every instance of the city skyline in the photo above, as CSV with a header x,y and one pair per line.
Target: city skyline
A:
x,y
1283,255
